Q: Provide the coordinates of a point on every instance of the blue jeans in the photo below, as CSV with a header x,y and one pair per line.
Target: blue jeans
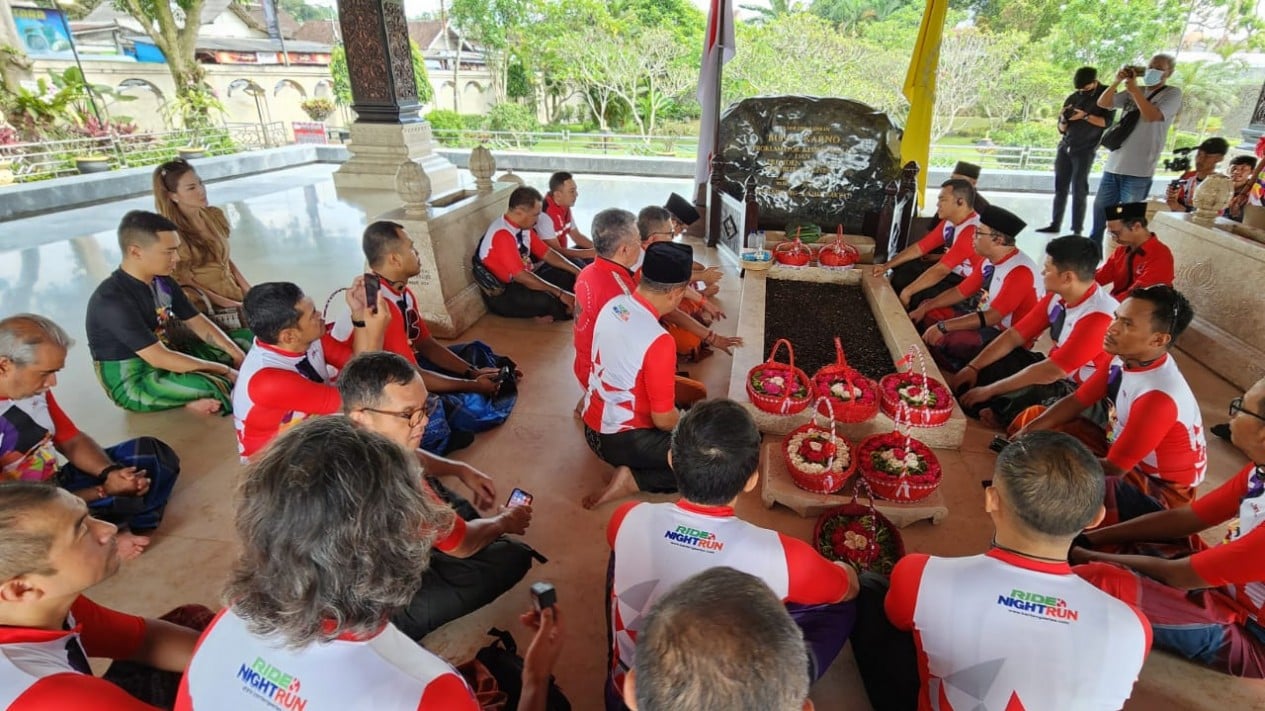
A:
x,y
138,514
1116,189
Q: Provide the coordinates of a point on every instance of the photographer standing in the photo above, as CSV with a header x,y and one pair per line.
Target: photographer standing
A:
x,y
1136,141
1180,195
1081,122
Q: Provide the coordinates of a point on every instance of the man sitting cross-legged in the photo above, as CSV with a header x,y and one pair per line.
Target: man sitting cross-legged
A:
x,y
914,277
1140,258
127,484
336,529
1204,603
1008,279
518,275
743,626
556,226
287,375
474,563
690,323
629,405
51,552
1154,448
465,376
1013,628
141,359
654,547
1006,377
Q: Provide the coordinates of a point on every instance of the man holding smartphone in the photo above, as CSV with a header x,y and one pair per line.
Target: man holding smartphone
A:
x,y
475,562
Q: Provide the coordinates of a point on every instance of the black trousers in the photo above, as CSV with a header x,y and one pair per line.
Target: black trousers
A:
x,y
643,451
908,273
886,657
454,587
1071,173
517,301
1008,406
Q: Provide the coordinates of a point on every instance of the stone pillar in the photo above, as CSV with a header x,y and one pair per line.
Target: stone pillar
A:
x,y
389,127
1256,128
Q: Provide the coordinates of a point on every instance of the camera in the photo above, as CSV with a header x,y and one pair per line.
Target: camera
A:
x,y
1180,162
506,377
1137,72
543,595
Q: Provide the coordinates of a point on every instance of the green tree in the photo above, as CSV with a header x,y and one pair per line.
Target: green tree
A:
x,y
495,26
518,84
1208,88
302,11
1109,34
772,11
173,26
425,92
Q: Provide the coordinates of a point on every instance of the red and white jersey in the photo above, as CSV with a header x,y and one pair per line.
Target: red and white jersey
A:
x,y
273,393
1000,631
507,249
555,221
405,329
656,546
1011,286
596,285
1077,330
30,431
959,243
1239,563
1157,426
233,668
38,671
634,367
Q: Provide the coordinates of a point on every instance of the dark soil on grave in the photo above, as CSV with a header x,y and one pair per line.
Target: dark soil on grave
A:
x,y
810,314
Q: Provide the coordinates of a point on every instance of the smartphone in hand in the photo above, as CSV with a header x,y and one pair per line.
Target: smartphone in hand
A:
x,y
371,292
518,497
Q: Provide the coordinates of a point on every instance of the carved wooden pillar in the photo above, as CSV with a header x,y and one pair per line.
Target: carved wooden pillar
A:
x,y
379,61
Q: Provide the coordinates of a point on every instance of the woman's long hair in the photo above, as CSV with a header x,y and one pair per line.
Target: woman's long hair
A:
x,y
166,178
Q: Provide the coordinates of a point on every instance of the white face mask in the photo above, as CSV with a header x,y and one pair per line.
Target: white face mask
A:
x,y
1153,76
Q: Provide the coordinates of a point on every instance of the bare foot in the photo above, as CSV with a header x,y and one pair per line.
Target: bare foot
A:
x,y
988,418
621,484
542,320
130,545
205,406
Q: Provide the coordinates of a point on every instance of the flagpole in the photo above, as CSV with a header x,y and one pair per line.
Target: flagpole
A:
x,y
713,202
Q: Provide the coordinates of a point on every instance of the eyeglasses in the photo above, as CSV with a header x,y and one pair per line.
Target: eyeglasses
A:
x,y
1236,406
414,417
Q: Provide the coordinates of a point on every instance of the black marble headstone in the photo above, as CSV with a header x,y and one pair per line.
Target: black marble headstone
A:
x,y
816,161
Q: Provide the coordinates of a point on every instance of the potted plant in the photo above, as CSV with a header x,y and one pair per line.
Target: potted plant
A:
x,y
317,109
92,163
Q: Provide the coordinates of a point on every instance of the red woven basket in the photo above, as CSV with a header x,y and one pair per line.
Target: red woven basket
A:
x,y
915,415
797,389
793,253
838,254
858,534
834,474
858,408
893,487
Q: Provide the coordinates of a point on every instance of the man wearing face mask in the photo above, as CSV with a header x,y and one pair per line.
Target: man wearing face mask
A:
x,y
1081,122
1130,167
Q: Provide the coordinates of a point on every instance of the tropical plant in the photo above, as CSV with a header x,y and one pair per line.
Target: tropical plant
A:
x,y
173,26
341,78
317,109
772,11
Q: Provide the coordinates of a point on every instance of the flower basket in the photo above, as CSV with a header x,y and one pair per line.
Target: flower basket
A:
x,y
852,396
838,255
927,401
858,534
818,459
898,467
793,253
779,388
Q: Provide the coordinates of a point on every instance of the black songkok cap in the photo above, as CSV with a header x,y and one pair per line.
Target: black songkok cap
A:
x,y
668,263
969,170
1002,220
1127,211
682,209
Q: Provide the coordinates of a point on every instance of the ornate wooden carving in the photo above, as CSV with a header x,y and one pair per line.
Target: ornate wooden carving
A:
x,y
713,201
900,205
379,62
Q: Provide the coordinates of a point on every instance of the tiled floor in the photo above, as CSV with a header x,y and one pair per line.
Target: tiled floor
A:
x,y
291,224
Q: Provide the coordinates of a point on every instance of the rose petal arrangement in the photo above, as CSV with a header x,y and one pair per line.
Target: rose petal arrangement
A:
x,y
861,536
898,467
925,401
779,388
818,460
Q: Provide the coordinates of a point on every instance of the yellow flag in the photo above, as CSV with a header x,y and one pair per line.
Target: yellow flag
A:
x,y
920,91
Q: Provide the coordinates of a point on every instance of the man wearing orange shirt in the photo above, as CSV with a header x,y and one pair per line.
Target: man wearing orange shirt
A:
x,y
1140,258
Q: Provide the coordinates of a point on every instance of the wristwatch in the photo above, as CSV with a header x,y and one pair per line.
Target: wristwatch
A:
x,y
941,327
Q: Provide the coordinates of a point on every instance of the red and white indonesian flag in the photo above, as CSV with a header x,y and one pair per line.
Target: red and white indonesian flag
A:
x,y
718,48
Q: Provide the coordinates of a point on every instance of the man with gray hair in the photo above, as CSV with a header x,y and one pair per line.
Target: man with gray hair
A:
x,y
336,530
611,274
127,484
742,625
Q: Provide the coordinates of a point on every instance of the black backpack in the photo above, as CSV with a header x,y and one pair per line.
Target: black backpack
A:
x,y
500,661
